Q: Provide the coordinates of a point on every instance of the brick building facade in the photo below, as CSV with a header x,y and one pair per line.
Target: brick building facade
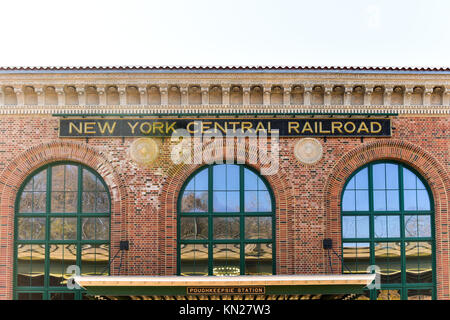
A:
x,y
144,199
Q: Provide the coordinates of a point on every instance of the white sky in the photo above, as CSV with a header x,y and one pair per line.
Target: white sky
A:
x,y
228,32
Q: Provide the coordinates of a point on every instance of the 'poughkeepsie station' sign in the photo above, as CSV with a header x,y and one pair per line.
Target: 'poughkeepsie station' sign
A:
x,y
93,127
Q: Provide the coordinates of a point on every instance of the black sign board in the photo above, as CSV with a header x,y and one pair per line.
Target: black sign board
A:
x,y
163,127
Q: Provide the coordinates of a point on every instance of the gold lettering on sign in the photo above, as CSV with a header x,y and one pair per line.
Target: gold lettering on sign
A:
x,y
106,126
336,126
307,127
293,126
89,128
132,127
363,127
346,129
373,129
73,125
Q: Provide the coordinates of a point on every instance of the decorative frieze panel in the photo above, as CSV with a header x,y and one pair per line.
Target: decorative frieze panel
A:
x,y
201,96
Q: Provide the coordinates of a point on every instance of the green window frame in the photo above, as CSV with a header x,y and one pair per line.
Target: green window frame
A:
x,y
62,218
226,222
387,219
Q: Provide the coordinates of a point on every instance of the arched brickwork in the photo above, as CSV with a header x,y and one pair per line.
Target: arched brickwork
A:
x,y
35,157
178,174
425,164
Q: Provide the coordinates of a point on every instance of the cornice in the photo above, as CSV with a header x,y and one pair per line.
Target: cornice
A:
x,y
226,109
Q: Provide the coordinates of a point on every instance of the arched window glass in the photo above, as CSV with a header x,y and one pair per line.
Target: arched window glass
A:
x,y
226,223
62,219
387,221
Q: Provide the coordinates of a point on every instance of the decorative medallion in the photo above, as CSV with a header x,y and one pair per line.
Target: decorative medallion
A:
x,y
144,151
308,150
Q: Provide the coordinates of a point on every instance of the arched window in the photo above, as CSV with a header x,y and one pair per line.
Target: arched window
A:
x,y
62,218
387,221
226,223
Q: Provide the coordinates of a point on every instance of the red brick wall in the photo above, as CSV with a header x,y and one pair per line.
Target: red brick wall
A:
x,y
144,200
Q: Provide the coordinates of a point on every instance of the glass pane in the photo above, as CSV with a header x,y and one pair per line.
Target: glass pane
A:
x,y
71,183
88,202
220,201
190,186
348,201
23,267
351,184
102,228
258,227
40,181
391,176
393,226
95,228
232,177
410,200
379,200
31,228
30,296
409,179
387,226
348,227
89,181
363,257
101,259
423,201
251,201
379,176
250,180
201,201
362,180
233,201
226,260
187,201
38,229
424,226
392,200
26,202
264,201
226,228
388,259
380,223
362,200
24,228
411,226
39,202
201,180
62,296
58,178
102,203
420,294
418,262
258,259
362,227
393,294
61,257
219,177
29,186
420,185
37,265
100,186
194,228
57,202
71,202
94,259
349,254
194,259
63,228
88,228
